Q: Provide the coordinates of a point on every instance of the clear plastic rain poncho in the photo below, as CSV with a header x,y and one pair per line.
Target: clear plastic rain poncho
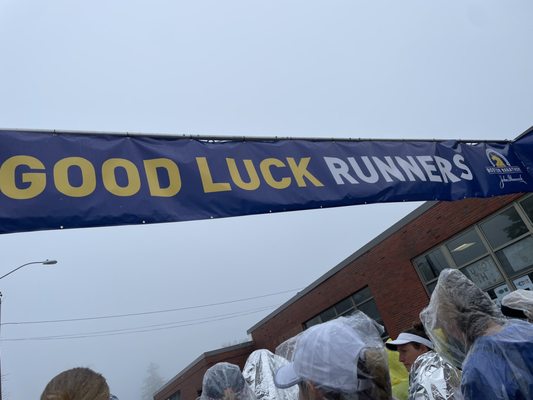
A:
x,y
432,378
372,366
344,357
259,374
468,329
286,349
520,300
224,381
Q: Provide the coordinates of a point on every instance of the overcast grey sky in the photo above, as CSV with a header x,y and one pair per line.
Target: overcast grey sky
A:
x,y
460,69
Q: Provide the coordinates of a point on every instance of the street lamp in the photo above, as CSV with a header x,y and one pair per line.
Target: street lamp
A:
x,y
45,262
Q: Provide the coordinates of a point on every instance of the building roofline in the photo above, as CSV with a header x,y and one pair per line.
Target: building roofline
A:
x,y
378,239
200,358
525,133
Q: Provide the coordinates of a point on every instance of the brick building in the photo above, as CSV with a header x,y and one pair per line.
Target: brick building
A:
x,y
187,384
391,277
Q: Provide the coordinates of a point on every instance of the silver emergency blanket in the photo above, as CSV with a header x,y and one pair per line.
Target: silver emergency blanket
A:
x,y
259,372
521,300
468,329
224,381
432,378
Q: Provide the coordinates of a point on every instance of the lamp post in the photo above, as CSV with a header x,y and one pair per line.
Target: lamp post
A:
x,y
45,262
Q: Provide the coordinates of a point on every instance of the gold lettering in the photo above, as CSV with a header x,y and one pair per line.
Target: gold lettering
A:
x,y
88,177
36,180
110,181
300,171
253,184
207,179
151,166
265,166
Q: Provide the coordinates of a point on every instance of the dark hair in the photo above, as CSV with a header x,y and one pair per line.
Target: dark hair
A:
x,y
513,312
418,330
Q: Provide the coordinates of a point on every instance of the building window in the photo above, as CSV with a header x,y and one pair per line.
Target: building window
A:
x,y
175,396
484,273
527,206
466,247
503,227
430,265
496,254
361,300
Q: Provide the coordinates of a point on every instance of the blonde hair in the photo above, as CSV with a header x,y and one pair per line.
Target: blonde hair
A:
x,y
376,367
77,384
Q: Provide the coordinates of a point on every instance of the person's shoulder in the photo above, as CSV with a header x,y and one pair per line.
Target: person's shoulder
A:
x,y
515,331
519,325
513,341
427,363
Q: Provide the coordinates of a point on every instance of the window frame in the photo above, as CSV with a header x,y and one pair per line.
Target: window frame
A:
x,y
317,319
508,279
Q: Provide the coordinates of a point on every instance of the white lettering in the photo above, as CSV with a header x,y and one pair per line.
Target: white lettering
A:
x,y
339,170
373,176
410,167
459,161
426,162
445,168
387,169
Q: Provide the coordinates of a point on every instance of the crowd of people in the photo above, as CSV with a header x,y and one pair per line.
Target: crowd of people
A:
x,y
463,347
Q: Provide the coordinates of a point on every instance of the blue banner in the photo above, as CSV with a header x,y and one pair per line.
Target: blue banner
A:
x,y
54,180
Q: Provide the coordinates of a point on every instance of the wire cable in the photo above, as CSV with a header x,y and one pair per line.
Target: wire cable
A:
x,y
146,312
142,329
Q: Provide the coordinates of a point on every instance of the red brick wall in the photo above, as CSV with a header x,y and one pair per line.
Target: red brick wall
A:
x,y
190,381
386,269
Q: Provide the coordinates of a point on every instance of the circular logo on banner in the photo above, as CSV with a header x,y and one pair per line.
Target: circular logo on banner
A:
x,y
497,160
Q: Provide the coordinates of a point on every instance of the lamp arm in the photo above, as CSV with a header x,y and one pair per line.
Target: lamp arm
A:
x,y
16,269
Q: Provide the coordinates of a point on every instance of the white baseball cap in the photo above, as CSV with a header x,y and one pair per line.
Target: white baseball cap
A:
x,y
327,355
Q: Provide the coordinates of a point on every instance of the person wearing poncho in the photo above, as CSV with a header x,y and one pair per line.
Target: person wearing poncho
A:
x,y
342,359
468,328
259,372
518,304
224,381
